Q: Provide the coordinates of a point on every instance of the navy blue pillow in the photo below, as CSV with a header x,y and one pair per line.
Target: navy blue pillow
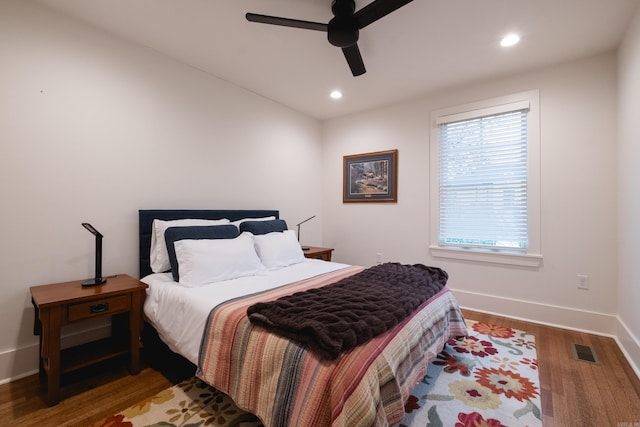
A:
x,y
200,232
263,227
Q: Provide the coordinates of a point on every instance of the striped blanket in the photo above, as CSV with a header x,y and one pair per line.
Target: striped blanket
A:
x,y
285,384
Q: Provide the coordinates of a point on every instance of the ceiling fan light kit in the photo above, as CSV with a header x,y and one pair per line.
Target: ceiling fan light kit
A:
x,y
343,30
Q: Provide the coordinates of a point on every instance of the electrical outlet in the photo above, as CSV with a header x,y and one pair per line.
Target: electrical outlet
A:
x,y
583,281
379,258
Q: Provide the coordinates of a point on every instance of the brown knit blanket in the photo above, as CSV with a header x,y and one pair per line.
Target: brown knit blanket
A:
x,y
352,311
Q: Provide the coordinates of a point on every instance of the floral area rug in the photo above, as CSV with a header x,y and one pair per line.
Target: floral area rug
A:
x,y
488,379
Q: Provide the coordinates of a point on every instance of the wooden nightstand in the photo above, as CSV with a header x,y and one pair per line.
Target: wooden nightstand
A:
x,y
60,304
318,253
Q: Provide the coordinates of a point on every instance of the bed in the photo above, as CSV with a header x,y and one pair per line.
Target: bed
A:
x,y
281,380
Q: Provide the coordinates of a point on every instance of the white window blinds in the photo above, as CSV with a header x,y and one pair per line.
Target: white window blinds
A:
x,y
483,179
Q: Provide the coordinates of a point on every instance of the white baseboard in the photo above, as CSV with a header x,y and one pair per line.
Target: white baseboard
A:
x,y
561,317
21,362
629,345
18,363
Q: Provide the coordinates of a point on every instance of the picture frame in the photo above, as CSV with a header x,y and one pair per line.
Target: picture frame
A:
x,y
371,177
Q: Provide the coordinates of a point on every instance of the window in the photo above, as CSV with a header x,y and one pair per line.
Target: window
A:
x,y
485,181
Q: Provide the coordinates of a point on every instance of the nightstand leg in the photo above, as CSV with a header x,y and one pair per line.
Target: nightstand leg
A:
x,y
50,352
135,323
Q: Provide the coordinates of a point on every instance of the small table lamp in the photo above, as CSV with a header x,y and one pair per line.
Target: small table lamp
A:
x,y
98,280
304,248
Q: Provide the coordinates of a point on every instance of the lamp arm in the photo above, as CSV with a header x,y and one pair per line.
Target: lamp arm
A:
x,y
98,277
302,222
97,280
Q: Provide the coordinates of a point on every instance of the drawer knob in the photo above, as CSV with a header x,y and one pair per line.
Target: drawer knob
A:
x,y
99,308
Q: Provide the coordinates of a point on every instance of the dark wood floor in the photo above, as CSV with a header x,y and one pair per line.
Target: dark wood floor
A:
x,y
574,393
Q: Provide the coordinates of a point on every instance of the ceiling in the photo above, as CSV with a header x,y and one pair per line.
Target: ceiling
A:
x,y
420,48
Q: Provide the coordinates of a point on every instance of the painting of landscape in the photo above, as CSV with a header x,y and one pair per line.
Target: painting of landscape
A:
x,y
370,177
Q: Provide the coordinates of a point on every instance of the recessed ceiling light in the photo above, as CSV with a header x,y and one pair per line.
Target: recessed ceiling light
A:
x,y
336,94
510,40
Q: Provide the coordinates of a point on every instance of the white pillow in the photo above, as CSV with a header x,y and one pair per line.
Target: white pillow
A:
x,y
240,221
158,255
278,249
202,262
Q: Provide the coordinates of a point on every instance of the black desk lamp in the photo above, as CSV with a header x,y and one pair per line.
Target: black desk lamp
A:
x,y
98,280
304,248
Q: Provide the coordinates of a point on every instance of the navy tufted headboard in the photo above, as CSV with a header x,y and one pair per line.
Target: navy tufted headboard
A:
x,y
146,218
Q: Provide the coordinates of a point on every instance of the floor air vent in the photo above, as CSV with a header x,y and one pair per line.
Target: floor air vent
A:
x,y
584,353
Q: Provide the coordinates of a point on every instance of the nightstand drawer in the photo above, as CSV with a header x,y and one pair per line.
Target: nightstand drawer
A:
x,y
98,307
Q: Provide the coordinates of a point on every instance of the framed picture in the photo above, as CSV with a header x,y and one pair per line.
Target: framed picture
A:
x,y
371,177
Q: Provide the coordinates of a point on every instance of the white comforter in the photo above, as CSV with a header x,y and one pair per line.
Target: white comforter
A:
x,y
179,314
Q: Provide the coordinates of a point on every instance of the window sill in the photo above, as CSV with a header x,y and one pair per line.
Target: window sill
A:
x,y
520,260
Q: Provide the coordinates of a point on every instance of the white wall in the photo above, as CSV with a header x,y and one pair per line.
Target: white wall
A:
x,y
93,129
578,103
629,192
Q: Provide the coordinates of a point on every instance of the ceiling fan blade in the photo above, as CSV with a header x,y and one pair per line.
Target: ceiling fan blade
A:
x,y
376,10
286,22
354,59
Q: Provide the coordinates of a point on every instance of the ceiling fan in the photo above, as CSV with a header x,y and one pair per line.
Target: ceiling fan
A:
x,y
343,29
